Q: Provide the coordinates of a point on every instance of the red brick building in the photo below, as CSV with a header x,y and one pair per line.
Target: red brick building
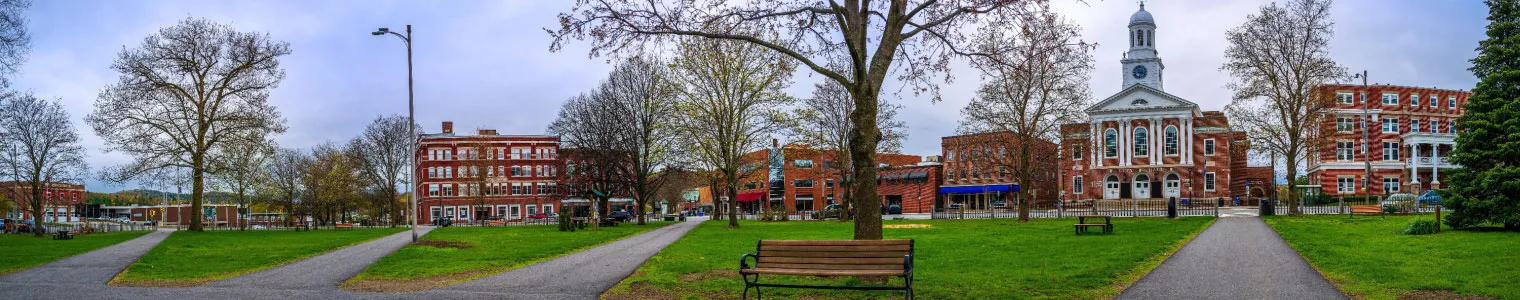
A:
x,y
800,178
59,199
1410,133
980,171
913,187
486,174
1144,143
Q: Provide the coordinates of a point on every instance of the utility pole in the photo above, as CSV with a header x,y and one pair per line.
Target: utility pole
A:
x,y
1366,155
411,200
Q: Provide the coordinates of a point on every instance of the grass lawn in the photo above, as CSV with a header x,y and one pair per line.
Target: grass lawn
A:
x,y
21,251
956,259
189,258
456,254
1369,258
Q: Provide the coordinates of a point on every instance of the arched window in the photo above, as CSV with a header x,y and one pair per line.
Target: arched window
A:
x,y
1140,38
1142,144
1171,141
1110,143
1151,35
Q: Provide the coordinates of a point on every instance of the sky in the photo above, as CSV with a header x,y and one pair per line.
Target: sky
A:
x,y
487,64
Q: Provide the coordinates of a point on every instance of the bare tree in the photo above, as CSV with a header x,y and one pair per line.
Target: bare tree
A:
x,y
241,170
730,102
640,88
823,122
1277,58
15,42
1036,83
188,92
594,137
870,35
41,148
384,150
285,185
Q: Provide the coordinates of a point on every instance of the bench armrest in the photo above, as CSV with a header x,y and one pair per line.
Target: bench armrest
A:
x,y
908,266
744,263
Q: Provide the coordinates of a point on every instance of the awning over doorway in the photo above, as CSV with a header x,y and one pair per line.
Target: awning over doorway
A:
x,y
976,189
751,197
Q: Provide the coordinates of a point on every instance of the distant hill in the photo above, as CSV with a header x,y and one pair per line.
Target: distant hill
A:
x,y
152,197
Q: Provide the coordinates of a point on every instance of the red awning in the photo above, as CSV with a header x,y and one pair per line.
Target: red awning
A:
x,y
751,197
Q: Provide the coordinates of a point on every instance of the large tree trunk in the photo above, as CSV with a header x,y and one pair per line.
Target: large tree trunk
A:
x,y
733,201
863,158
1292,164
197,188
38,204
1025,168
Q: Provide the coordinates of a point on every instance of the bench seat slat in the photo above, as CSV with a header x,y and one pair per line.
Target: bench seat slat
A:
x,y
773,253
898,266
833,260
833,242
836,248
822,272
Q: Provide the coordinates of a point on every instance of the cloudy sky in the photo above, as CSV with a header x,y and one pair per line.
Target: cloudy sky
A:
x,y
486,64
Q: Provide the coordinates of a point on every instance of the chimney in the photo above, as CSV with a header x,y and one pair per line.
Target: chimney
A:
x,y
448,126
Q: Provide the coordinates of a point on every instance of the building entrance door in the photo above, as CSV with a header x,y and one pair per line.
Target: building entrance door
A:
x,y
1172,187
1111,187
1142,185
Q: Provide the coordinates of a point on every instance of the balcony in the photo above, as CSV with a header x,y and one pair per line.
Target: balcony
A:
x,y
1427,162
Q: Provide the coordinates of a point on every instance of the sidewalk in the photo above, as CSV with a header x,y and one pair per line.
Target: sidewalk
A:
x,y
92,268
324,271
1239,257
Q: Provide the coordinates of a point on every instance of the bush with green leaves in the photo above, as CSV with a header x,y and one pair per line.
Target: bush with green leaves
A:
x,y
1423,226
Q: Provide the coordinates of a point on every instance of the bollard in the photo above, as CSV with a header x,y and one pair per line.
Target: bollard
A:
x,y
1171,207
1438,218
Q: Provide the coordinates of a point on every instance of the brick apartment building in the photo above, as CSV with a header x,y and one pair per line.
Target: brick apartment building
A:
x,y
61,199
1410,133
980,171
1145,143
473,177
799,178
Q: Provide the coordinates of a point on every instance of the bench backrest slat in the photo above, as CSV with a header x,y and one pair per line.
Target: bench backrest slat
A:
x,y
833,254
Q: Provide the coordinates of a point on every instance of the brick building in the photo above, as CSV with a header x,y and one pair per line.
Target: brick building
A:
x,y
1410,133
980,171
1143,143
473,177
799,178
60,200
913,187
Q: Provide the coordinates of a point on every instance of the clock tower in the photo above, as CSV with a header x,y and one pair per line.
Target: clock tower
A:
x,y
1141,65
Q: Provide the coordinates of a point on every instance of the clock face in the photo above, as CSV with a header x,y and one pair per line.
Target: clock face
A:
x,y
1139,72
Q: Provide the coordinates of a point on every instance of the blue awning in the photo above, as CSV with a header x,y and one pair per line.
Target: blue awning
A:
x,y
978,189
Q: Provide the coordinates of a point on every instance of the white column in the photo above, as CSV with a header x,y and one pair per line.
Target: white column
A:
x,y
1124,141
1435,165
1096,133
1156,137
1414,165
1187,140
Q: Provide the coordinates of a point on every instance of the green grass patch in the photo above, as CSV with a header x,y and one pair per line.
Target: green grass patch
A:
x,y
456,254
956,259
191,258
1371,259
21,251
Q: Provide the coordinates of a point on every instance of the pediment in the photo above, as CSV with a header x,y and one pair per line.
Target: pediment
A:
x,y
1141,97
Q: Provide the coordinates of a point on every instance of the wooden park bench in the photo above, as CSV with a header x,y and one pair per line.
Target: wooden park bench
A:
x,y
63,235
344,226
879,258
1366,210
1082,223
496,223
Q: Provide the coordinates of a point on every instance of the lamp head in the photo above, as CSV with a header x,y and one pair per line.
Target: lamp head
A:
x,y
382,31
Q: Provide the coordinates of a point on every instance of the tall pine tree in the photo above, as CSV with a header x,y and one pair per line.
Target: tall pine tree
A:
x,y
1487,189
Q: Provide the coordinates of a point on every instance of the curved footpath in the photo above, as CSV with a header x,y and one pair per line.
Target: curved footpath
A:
x,y
1239,257
581,275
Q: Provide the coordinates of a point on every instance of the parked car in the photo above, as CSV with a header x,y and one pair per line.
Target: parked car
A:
x,y
833,211
538,216
622,216
443,222
894,209
257,227
493,218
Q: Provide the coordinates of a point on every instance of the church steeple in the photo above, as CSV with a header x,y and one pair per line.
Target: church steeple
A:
x,y
1141,63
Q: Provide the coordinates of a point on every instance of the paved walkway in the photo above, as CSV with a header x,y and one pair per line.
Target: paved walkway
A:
x,y
324,271
91,268
1239,257
583,274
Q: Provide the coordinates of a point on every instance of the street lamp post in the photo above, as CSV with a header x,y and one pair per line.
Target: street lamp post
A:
x,y
411,200
1366,155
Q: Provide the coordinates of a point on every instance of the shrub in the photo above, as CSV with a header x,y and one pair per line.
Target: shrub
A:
x,y
1423,226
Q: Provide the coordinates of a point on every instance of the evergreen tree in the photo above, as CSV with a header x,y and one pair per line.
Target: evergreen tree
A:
x,y
1487,189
